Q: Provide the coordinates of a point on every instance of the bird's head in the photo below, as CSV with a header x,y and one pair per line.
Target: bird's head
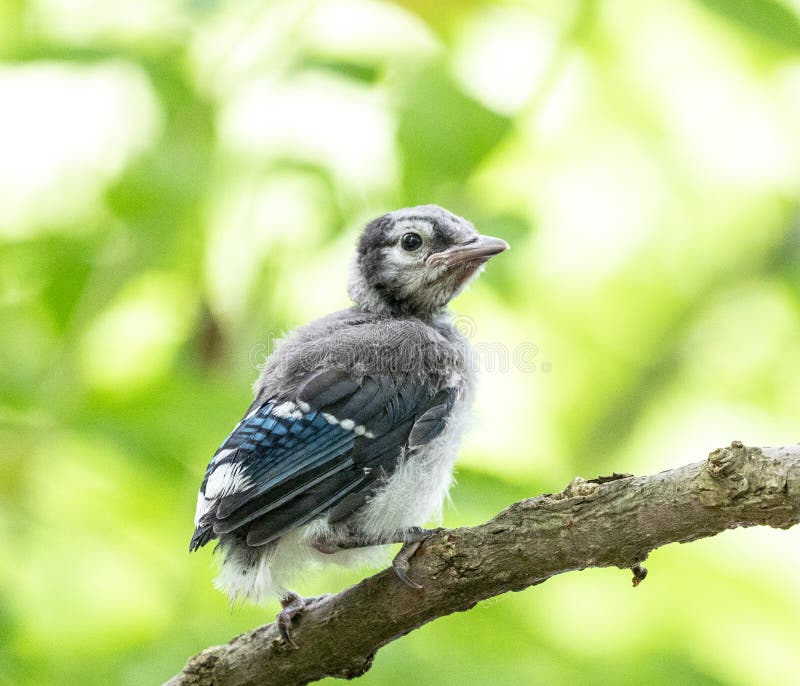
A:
x,y
415,260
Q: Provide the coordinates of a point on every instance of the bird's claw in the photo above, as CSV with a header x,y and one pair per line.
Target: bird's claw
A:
x,y
293,605
400,563
402,574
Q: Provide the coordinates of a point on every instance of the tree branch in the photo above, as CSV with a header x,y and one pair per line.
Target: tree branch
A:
x,y
608,522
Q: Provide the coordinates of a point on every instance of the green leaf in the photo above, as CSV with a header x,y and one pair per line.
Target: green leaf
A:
x,y
352,69
444,134
444,15
769,19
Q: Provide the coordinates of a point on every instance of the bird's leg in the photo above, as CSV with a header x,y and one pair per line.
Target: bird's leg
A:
x,y
411,539
292,605
413,534
416,534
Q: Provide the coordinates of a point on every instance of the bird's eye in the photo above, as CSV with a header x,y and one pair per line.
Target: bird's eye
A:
x,y
411,241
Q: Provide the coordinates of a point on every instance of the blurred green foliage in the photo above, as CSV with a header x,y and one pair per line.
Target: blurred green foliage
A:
x,y
181,181
769,18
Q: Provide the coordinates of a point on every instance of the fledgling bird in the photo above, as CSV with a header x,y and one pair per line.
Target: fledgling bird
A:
x,y
351,439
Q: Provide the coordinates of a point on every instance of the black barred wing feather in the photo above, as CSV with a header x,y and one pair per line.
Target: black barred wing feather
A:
x,y
291,460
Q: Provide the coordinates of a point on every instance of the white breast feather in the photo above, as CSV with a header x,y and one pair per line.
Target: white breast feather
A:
x,y
415,493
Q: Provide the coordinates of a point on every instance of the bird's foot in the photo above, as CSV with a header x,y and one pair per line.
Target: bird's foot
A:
x,y
293,605
400,563
413,539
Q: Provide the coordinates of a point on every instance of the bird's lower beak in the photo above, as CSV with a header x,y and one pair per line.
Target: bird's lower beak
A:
x,y
482,248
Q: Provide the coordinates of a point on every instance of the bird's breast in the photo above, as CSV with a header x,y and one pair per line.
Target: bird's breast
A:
x,y
415,492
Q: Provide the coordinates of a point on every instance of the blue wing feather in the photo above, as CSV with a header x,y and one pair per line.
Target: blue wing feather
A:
x,y
281,466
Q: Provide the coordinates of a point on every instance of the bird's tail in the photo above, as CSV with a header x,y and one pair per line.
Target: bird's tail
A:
x,y
202,535
245,573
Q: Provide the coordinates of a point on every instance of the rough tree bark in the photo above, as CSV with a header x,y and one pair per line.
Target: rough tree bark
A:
x,y
607,522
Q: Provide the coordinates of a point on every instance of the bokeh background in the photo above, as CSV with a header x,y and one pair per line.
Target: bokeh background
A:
x,y
183,180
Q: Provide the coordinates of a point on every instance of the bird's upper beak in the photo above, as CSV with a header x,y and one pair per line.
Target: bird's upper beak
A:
x,y
481,248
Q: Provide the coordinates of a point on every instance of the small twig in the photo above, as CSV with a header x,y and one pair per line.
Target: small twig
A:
x,y
639,574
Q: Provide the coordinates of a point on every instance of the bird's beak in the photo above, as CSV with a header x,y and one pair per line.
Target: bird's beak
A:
x,y
481,248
